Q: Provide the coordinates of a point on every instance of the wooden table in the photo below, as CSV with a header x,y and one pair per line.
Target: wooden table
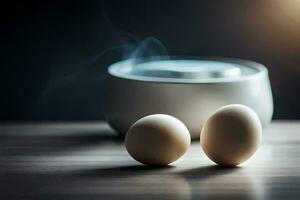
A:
x,y
88,161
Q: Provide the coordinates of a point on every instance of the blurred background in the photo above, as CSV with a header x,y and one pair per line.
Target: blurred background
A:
x,y
55,53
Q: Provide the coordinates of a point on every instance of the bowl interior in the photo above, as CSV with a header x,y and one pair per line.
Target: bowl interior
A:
x,y
184,70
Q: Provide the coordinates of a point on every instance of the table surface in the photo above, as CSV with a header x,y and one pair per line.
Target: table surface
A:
x,y
88,161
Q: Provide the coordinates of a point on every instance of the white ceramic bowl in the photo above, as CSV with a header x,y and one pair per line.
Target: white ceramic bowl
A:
x,y
188,89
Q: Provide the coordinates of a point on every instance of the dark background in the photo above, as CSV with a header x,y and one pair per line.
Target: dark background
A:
x,y
54,53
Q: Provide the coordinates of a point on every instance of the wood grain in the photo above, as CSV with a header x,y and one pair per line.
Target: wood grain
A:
x,y
89,161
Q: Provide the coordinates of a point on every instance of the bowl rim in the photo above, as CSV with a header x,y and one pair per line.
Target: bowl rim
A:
x,y
261,70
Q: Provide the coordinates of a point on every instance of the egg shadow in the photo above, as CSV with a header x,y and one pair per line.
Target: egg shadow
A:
x,y
219,182
120,171
207,171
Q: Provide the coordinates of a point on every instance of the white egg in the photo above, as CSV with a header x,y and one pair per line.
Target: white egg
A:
x,y
231,135
157,139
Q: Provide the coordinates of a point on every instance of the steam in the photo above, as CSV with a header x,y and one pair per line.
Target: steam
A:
x,y
131,47
79,92
149,47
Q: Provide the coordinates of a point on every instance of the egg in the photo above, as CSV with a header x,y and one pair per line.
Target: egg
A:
x,y
157,139
231,135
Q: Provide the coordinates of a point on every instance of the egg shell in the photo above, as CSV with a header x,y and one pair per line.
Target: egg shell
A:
x,y
231,135
157,139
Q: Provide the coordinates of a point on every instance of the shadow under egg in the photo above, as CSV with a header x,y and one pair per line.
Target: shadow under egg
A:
x,y
216,182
